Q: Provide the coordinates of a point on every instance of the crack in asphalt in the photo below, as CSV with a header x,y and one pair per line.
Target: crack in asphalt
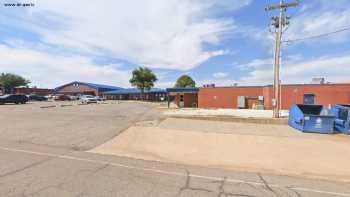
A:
x,y
267,186
59,186
26,167
223,193
289,188
188,187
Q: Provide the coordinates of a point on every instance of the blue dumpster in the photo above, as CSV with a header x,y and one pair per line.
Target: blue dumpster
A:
x,y
342,121
311,118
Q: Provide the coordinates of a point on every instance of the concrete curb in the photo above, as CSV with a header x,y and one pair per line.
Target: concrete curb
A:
x,y
70,105
50,106
281,121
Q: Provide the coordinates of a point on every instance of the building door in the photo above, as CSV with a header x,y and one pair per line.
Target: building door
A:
x,y
309,99
241,102
182,101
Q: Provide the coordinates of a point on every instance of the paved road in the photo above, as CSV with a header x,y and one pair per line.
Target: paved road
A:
x,y
34,163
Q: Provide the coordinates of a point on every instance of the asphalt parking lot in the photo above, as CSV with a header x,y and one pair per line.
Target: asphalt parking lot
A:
x,y
43,152
69,125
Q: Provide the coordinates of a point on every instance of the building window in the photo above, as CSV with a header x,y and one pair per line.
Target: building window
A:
x,y
309,99
181,98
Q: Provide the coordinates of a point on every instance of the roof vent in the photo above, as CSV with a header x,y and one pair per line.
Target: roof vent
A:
x,y
212,85
318,80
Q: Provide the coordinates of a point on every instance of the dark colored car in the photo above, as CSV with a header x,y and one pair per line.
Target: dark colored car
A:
x,y
34,97
14,98
62,98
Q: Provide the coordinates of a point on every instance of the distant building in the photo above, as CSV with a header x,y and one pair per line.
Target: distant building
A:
x,y
38,91
81,88
153,94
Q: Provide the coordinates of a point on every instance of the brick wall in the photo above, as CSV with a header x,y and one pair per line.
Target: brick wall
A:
x,y
324,94
81,88
226,97
190,99
39,91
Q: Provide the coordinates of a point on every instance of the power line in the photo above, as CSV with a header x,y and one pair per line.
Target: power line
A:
x,y
319,35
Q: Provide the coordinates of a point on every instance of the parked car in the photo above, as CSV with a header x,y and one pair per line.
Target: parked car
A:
x,y
88,99
49,97
73,98
14,98
98,98
61,98
35,97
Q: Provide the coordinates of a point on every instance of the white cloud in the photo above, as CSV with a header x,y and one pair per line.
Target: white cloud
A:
x,y
50,70
161,34
232,4
217,82
201,82
256,63
220,75
323,17
333,68
309,19
164,84
298,70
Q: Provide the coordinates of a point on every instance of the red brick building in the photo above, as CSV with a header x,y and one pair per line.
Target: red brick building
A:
x,y
227,97
183,97
252,96
38,91
153,95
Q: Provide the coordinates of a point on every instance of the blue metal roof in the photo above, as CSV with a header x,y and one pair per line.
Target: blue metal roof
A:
x,y
99,87
183,90
135,91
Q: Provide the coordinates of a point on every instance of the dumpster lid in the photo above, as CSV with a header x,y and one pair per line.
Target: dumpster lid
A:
x,y
310,109
342,105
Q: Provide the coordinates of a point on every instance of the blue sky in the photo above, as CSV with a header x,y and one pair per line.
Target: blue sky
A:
x,y
214,41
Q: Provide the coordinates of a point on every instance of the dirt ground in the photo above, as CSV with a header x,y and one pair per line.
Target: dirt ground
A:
x,y
276,149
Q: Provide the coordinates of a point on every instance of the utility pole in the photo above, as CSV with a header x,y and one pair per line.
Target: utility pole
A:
x,y
278,22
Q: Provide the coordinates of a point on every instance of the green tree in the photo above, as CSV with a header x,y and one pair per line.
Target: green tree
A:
x,y
143,78
9,81
185,81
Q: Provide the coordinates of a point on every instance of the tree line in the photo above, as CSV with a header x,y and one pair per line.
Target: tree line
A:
x,y
143,78
9,81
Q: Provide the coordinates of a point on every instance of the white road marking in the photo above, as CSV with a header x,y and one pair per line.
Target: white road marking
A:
x,y
170,172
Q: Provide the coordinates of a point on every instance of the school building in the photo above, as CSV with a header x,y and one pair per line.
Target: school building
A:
x,y
260,97
153,94
83,88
